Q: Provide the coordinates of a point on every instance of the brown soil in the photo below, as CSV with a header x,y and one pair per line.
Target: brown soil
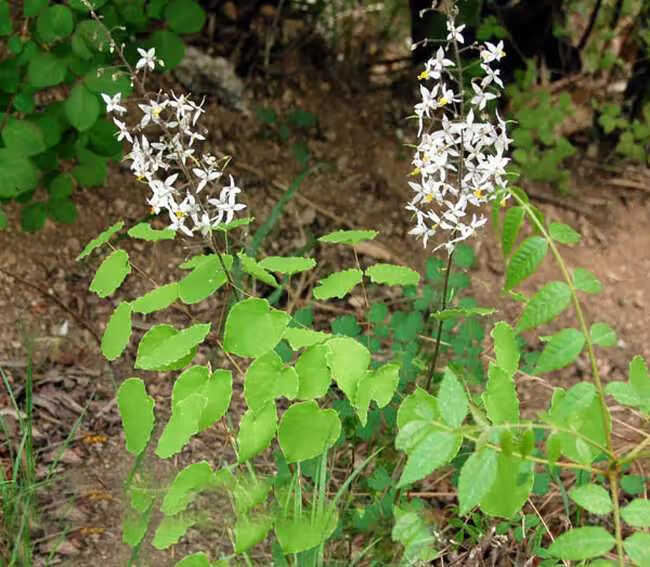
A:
x,y
362,184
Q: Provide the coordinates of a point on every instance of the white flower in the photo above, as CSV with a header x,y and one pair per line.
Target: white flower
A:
x,y
147,59
491,76
492,52
123,133
205,176
481,98
151,112
113,103
455,32
226,204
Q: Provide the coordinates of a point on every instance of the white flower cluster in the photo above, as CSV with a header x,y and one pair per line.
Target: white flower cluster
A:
x,y
461,155
173,169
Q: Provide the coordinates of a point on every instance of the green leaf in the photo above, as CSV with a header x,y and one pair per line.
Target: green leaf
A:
x,y
563,348
459,312
215,386
157,299
306,431
18,174
33,216
249,532
256,431
511,489
464,256
314,375
102,239
525,260
171,529
31,8
186,485
603,335
624,393
433,449
545,305
418,406
143,231
308,530
500,396
162,345
378,385
136,411
134,527
45,70
414,533
452,400
267,379
390,274
563,233
55,22
184,16
253,327
169,47
637,546
182,425
81,108
62,210
348,360
582,543
511,225
195,560
505,347
585,281
4,221
287,265
338,284
300,338
23,137
477,475
253,268
348,236
206,278
111,273
118,331
637,513
593,498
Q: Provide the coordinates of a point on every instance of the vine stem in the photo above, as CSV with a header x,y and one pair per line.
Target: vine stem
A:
x,y
613,459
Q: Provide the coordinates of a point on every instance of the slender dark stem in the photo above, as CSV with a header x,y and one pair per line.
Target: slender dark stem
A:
x,y
590,25
443,305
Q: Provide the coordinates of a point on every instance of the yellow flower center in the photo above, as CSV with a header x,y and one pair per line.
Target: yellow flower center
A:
x,y
415,172
179,214
443,100
423,75
479,194
428,198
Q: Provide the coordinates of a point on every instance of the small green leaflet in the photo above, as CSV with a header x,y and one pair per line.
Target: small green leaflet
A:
x,y
563,233
585,281
348,236
545,305
525,260
378,385
310,529
102,239
143,231
390,274
511,224
458,312
306,431
563,348
171,529
637,546
118,331
184,16
637,513
206,278
511,487
136,410
452,400
250,531
505,347
253,327
287,265
162,345
582,543
182,425
81,107
157,299
267,378
593,498
300,338
195,560
338,284
253,268
500,396
603,335
256,431
314,376
476,477
186,485
348,360
111,273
